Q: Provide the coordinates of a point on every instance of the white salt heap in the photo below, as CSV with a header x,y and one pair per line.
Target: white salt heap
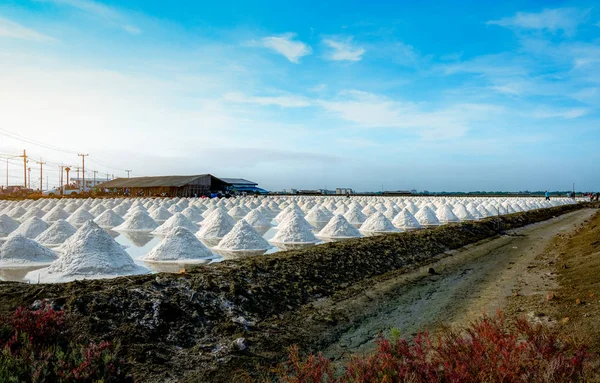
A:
x,y
7,225
90,253
216,225
55,214
355,216
243,237
193,214
237,212
427,217
138,221
338,227
462,213
35,212
294,230
161,214
177,220
31,228
97,210
378,223
20,251
79,217
109,219
56,234
16,212
318,214
256,219
181,246
445,215
406,221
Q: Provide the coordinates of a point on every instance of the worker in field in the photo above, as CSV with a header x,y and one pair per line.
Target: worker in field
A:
x,y
547,195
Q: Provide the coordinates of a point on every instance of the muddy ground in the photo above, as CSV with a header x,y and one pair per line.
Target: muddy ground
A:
x,y
333,297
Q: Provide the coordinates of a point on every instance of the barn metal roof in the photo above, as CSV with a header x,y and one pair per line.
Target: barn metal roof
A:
x,y
238,181
160,181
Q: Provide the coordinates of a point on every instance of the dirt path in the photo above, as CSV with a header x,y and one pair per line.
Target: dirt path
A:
x,y
480,278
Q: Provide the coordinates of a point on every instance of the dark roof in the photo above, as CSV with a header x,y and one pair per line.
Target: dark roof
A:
x,y
161,181
238,181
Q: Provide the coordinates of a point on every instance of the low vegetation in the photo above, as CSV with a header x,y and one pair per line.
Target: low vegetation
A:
x,y
489,350
34,347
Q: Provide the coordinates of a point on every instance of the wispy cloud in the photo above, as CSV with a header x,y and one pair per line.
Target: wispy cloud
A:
x,y
285,45
14,30
369,110
569,113
343,50
100,10
552,20
287,101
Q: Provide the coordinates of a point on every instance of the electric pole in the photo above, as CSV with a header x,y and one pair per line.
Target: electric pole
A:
x,y
29,179
83,169
107,174
24,169
94,183
67,169
128,171
41,173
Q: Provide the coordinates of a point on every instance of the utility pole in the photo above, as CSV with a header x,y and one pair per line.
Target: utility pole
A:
x,y
29,186
67,169
107,174
41,173
128,171
94,183
83,169
24,169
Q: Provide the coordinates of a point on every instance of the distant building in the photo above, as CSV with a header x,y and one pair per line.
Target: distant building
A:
x,y
90,183
242,185
344,191
171,186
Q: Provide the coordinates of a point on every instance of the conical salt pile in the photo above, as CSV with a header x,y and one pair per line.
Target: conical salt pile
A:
x,y
177,220
243,237
20,251
406,221
193,214
7,225
108,219
378,223
238,212
179,245
56,234
31,228
294,230
16,212
355,216
55,214
462,213
35,212
97,210
138,221
161,214
427,217
318,214
79,217
216,225
256,219
445,215
338,227
90,253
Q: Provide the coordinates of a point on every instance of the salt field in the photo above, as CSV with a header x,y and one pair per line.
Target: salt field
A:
x,y
59,240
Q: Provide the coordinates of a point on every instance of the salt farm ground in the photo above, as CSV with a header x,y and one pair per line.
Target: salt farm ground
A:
x,y
333,297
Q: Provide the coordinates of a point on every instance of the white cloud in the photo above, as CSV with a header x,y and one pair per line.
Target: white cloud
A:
x,y
553,20
286,46
343,50
17,31
283,101
100,10
571,113
369,110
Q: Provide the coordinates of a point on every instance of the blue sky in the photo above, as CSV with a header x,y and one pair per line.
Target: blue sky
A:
x,y
426,95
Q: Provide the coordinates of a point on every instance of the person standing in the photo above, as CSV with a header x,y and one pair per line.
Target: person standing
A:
x,y
547,195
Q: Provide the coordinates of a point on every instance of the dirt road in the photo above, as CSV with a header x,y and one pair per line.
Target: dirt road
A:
x,y
481,278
